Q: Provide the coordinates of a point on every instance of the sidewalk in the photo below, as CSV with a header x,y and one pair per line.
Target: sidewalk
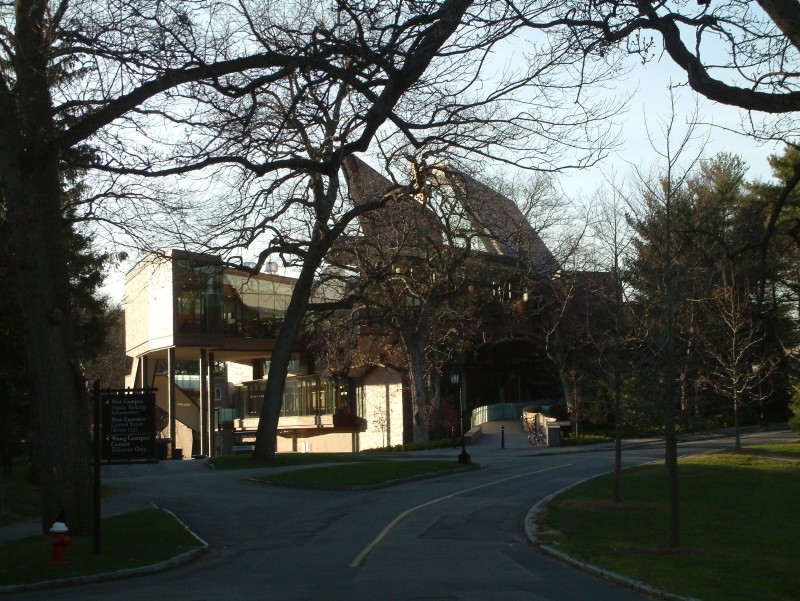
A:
x,y
509,436
111,505
15,532
497,438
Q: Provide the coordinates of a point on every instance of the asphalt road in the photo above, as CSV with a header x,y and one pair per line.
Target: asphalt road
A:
x,y
458,537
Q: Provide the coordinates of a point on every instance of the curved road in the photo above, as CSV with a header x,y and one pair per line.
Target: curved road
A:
x,y
458,537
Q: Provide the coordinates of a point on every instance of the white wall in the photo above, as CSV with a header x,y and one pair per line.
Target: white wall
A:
x,y
239,372
148,307
382,393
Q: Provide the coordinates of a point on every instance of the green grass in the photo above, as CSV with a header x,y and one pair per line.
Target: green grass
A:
x,y
247,461
362,474
781,449
128,541
19,500
584,439
739,527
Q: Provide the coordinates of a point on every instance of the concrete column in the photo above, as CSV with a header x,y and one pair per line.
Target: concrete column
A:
x,y
144,367
388,401
258,369
171,395
212,406
203,402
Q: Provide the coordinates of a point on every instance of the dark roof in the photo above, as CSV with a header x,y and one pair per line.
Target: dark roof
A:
x,y
507,233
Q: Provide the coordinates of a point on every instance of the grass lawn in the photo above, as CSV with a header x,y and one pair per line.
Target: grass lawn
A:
x,y
792,449
247,461
363,474
19,500
739,526
128,541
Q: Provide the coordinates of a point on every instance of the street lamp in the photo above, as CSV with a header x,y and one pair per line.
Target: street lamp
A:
x,y
463,457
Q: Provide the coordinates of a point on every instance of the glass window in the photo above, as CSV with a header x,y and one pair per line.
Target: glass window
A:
x,y
198,302
310,395
253,306
291,399
294,364
248,400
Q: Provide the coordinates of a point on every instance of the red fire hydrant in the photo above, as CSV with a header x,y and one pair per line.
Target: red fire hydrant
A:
x,y
60,542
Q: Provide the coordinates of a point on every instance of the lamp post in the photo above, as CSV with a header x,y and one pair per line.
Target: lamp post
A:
x,y
463,457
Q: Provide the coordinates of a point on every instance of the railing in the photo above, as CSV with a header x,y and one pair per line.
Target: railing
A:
x,y
488,413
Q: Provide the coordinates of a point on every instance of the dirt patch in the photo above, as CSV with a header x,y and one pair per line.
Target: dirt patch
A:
x,y
661,470
767,455
545,531
604,505
673,552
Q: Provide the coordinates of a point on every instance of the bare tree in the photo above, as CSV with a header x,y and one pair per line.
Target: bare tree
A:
x,y
612,236
430,270
157,100
741,54
563,312
740,364
734,53
658,245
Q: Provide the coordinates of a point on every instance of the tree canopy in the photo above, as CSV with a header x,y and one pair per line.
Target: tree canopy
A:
x,y
252,107
226,125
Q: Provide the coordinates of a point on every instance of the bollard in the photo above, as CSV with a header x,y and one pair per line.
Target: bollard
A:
x,y
502,437
60,542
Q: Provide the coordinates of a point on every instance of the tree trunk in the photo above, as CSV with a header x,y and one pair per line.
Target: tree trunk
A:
x,y
266,435
414,344
671,406
60,403
671,463
570,399
736,430
617,420
556,353
29,171
617,359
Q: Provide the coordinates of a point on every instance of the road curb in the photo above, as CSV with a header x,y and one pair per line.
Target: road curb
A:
x,y
161,566
550,551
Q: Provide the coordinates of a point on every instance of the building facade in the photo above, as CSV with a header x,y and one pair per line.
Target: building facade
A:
x,y
202,334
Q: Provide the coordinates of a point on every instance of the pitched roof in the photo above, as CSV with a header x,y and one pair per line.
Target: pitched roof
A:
x,y
508,231
503,229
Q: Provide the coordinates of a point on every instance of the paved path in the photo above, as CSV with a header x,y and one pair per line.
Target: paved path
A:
x,y
452,538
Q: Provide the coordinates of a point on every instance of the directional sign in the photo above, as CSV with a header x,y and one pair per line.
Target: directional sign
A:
x,y
129,425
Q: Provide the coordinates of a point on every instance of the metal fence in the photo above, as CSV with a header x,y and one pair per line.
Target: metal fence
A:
x,y
498,411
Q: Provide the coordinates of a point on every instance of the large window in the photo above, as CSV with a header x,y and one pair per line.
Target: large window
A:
x,y
199,297
253,306
294,364
306,395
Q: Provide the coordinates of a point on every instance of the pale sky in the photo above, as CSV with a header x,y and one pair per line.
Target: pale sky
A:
x,y
649,104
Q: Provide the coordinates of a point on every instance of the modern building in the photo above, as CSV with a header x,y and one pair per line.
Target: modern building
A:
x,y
505,364
202,334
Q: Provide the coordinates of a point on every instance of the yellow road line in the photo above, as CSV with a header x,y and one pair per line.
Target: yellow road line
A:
x,y
366,550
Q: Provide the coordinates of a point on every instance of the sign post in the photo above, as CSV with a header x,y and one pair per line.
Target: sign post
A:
x,y
98,451
129,424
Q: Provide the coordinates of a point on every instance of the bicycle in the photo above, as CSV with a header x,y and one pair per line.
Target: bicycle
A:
x,y
536,435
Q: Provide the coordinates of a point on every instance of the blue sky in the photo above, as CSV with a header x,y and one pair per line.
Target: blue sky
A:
x,y
649,105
